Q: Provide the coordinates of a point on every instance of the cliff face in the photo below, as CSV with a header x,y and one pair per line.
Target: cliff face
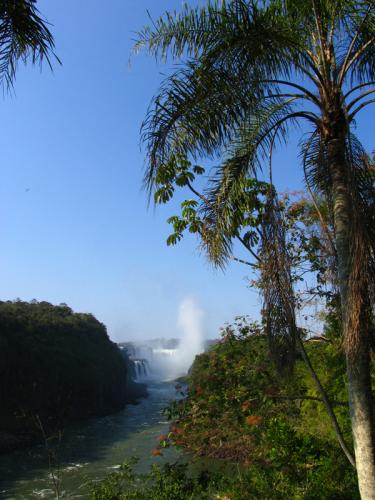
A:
x,y
56,367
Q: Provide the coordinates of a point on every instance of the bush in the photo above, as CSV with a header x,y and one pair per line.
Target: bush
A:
x,y
170,482
240,409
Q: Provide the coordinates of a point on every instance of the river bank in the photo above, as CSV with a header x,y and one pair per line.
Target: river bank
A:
x,y
57,367
35,433
89,450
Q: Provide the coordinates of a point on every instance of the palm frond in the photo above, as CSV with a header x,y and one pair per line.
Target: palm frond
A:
x,y
190,114
24,35
197,112
315,163
361,283
358,63
223,30
186,32
227,197
313,153
277,289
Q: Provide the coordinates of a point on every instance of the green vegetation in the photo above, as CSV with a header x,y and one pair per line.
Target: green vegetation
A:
x,y
273,433
234,382
251,70
24,36
162,483
264,398
177,482
240,409
56,366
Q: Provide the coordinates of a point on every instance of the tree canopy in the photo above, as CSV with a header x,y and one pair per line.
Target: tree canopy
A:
x,y
56,366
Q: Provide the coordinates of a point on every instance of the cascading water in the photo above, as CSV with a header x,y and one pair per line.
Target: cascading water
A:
x,y
166,359
142,368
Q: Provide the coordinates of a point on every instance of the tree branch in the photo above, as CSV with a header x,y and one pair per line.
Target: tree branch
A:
x,y
354,58
357,87
248,248
232,257
326,402
346,64
207,202
357,99
310,398
352,115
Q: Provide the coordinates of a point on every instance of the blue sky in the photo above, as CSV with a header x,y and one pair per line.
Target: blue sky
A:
x,y
74,221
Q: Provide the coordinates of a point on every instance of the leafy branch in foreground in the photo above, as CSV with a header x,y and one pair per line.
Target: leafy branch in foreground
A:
x,y
24,36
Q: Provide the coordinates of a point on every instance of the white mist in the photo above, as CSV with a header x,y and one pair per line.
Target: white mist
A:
x,y
189,321
156,360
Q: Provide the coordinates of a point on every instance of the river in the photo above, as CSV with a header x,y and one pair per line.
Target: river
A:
x,y
90,450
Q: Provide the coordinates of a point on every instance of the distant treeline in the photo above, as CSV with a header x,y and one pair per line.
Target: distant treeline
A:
x,y
56,366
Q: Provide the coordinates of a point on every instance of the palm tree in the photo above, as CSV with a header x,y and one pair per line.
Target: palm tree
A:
x,y
251,70
24,35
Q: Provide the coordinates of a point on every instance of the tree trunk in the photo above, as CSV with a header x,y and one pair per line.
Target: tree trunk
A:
x,y
355,312
362,422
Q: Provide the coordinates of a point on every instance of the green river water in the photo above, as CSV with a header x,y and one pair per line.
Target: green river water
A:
x,y
88,451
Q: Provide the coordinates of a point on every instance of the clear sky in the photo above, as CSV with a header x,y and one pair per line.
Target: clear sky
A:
x,y
74,221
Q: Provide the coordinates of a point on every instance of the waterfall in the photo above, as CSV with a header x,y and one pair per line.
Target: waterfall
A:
x,y
169,358
141,367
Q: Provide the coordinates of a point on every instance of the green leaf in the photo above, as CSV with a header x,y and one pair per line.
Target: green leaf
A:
x,y
164,194
184,178
173,219
173,239
195,227
188,213
198,169
189,203
251,238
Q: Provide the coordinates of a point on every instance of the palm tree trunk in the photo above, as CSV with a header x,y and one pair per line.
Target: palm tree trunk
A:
x,y
356,339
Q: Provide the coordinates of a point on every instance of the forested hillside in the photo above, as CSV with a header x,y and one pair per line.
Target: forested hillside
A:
x,y
56,366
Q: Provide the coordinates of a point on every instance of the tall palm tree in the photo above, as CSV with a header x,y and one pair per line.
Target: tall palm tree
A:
x,y
251,70
24,35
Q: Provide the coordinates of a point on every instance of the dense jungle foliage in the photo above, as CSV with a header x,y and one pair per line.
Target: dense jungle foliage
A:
x,y
240,409
56,366
274,431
